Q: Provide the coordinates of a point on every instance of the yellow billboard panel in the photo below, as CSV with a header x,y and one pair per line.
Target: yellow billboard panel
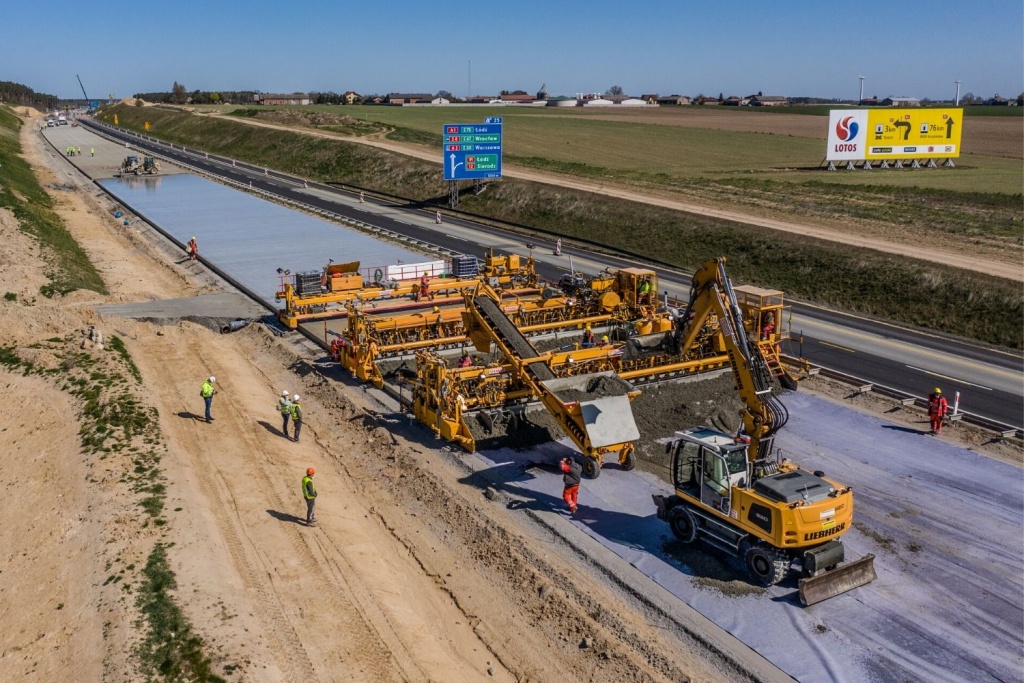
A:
x,y
917,133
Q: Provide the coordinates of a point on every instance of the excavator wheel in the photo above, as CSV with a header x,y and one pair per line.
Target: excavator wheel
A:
x,y
591,468
683,524
765,566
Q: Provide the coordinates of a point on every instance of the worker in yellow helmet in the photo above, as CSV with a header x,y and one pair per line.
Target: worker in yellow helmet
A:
x,y
207,391
937,407
309,494
588,337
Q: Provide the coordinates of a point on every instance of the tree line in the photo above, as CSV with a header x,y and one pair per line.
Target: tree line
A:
x,y
18,94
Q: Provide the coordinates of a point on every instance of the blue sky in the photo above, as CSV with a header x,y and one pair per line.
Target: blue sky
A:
x,y
817,48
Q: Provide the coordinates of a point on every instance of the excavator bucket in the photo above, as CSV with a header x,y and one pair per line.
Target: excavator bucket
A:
x,y
838,581
603,399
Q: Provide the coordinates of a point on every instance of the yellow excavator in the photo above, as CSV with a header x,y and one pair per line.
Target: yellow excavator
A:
x,y
735,492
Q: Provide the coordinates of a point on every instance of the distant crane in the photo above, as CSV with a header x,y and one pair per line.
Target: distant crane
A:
x,y
88,102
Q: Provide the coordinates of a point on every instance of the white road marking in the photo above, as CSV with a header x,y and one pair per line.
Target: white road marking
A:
x,y
951,379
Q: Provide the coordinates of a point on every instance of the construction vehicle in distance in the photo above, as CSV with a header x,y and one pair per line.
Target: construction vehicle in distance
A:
x,y
742,497
324,295
132,166
592,408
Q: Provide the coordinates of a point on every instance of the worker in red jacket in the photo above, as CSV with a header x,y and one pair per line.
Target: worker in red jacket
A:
x,y
937,407
571,475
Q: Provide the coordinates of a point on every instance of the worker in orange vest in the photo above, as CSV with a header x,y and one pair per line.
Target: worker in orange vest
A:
x,y
424,287
192,248
937,407
571,475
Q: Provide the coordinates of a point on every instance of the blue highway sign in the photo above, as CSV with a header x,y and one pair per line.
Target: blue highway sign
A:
x,y
472,150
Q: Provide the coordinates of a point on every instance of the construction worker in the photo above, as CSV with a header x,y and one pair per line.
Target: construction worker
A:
x,y
207,391
571,475
437,217
937,407
643,295
769,327
558,247
362,197
424,287
285,408
296,417
588,337
438,320
604,340
464,360
92,151
309,494
192,248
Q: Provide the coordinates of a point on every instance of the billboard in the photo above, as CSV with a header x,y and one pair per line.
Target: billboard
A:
x,y
902,133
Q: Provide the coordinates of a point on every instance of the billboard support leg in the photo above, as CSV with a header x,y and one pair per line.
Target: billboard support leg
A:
x,y
948,163
899,163
931,164
831,166
884,164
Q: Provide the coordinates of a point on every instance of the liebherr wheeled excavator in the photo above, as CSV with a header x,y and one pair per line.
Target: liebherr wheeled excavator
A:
x,y
739,495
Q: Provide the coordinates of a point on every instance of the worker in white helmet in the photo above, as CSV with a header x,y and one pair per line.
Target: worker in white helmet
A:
x,y
296,416
285,407
207,391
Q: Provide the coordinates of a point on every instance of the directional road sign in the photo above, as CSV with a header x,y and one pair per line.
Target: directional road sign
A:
x,y
472,150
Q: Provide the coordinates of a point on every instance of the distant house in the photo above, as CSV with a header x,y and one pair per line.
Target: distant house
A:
x,y
440,101
516,99
901,102
673,100
650,98
351,97
632,102
734,101
408,98
869,102
998,101
768,101
278,100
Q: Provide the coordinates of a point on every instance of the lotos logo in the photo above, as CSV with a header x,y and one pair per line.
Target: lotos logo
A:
x,y
847,129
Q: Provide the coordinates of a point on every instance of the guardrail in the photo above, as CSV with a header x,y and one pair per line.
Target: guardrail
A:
x,y
862,386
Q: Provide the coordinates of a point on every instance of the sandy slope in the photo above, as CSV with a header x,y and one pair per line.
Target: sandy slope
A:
x,y
411,576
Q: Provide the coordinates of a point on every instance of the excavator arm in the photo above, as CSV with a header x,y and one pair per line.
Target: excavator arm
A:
x,y
712,294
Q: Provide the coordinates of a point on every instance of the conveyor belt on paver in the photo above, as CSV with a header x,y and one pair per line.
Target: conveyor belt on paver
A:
x,y
512,337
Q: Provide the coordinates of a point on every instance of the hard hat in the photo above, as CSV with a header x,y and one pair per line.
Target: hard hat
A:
x,y
426,272
604,337
938,391
437,309
310,471
588,326
465,352
284,392
295,397
193,236
212,378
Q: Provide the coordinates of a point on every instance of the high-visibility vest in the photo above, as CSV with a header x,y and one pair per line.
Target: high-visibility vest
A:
x,y
207,390
285,406
296,412
308,490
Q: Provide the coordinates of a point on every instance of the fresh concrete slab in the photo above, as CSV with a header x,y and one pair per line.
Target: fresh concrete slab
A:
x,y
215,311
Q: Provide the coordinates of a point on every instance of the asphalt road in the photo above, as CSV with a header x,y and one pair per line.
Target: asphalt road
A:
x,y
990,381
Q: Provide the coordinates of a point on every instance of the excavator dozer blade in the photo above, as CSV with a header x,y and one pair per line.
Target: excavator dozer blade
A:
x,y
838,581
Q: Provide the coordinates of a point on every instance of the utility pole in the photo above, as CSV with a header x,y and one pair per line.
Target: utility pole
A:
x,y
956,102
861,89
469,79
